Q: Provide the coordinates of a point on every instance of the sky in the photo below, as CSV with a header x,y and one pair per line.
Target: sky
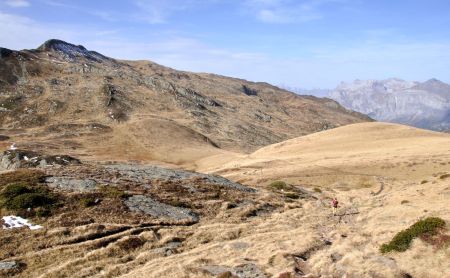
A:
x,y
296,44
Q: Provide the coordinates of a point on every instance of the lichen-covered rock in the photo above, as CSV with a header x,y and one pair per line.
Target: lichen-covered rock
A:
x,y
67,184
140,173
146,205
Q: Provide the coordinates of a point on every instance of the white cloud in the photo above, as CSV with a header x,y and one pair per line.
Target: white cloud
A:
x,y
17,3
380,54
287,11
157,12
18,32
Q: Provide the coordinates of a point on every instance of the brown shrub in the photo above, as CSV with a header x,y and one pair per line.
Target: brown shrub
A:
x,y
130,243
22,176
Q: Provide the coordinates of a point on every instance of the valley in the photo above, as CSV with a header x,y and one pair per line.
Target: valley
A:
x,y
133,169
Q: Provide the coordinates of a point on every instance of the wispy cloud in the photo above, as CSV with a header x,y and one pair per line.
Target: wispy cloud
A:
x,y
287,11
17,3
157,12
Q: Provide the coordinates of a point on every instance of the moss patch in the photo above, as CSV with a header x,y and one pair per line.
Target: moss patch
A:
x,y
403,239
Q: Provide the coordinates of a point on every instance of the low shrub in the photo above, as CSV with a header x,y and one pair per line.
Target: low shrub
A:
x,y
14,190
20,196
113,192
404,202
279,185
292,195
318,190
43,212
87,201
29,200
423,182
444,176
402,240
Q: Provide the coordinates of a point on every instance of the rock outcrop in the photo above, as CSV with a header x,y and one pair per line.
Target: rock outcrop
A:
x,y
14,159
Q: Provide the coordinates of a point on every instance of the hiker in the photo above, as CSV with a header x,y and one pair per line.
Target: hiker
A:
x,y
334,204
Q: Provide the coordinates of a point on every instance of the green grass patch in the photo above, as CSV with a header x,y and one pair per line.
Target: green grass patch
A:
x,y
402,240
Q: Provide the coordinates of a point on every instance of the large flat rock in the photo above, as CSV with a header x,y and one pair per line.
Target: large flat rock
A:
x,y
141,173
147,205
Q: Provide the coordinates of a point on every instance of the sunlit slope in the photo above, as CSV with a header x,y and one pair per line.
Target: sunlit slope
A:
x,y
350,155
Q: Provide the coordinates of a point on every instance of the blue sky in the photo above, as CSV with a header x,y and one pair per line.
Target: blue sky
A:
x,y
301,44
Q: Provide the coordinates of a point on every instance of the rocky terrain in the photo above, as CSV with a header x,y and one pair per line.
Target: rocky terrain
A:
x,y
103,214
266,215
424,105
62,96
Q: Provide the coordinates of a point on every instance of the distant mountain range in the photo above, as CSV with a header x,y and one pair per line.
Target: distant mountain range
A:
x,y
424,105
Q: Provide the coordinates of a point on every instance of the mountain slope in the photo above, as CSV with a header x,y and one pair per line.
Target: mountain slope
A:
x,y
347,156
385,176
424,105
70,97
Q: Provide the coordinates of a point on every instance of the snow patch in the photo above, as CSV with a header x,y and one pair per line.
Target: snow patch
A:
x,y
18,222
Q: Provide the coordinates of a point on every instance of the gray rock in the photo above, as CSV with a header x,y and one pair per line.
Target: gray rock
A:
x,y
168,249
139,173
216,269
243,271
67,184
144,204
239,245
14,159
8,265
249,271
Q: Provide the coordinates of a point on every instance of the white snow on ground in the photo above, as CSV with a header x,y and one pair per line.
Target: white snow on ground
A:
x,y
18,222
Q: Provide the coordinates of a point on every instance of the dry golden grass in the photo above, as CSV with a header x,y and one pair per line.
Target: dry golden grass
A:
x,y
371,169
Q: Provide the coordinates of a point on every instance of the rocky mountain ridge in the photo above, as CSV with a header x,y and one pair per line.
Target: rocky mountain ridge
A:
x,y
71,97
424,105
